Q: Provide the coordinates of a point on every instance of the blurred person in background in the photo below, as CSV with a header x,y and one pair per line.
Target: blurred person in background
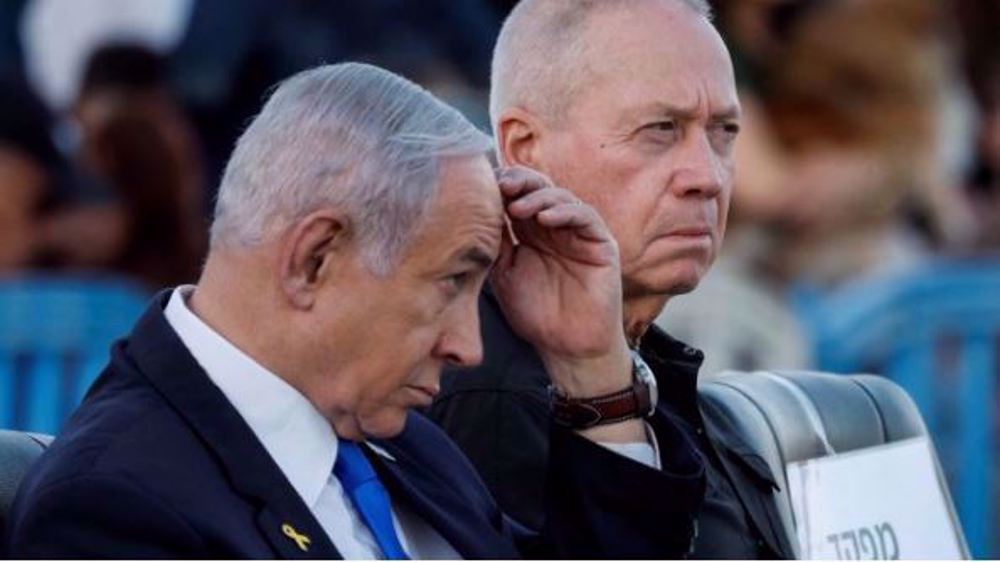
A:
x,y
222,55
29,165
134,138
979,21
863,102
56,38
233,50
11,53
854,142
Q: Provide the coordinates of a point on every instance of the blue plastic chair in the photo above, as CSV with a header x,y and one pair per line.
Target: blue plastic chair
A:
x,y
55,337
936,332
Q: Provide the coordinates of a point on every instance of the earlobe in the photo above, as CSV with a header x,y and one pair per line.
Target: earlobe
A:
x,y
518,132
309,254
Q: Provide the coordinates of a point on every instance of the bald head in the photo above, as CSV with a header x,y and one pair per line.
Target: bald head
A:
x,y
540,61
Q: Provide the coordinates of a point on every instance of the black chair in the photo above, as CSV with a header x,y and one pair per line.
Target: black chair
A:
x,y
18,451
796,416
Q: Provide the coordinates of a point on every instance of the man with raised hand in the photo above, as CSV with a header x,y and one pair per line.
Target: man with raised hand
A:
x,y
631,105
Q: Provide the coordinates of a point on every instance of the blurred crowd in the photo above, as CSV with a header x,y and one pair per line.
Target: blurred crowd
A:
x,y
117,116
870,143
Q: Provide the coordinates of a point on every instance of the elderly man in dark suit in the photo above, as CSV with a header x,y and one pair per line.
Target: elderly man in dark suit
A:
x,y
632,106
265,412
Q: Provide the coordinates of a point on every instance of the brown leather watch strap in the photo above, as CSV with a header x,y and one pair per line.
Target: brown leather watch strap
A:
x,y
581,413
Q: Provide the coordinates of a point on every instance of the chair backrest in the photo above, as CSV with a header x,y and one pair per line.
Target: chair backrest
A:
x,y
55,334
936,332
795,416
18,451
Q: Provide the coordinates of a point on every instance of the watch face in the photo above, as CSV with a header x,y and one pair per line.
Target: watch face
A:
x,y
645,375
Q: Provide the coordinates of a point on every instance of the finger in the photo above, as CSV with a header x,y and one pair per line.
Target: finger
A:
x,y
583,219
515,181
536,201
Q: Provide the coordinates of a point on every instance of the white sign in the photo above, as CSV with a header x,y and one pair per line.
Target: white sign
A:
x,y
878,503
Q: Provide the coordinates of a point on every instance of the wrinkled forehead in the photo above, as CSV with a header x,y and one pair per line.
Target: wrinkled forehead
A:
x,y
663,48
467,205
471,181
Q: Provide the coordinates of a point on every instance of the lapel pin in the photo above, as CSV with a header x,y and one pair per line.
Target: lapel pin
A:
x,y
302,540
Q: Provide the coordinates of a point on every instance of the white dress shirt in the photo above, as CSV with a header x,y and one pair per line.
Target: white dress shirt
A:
x,y
304,446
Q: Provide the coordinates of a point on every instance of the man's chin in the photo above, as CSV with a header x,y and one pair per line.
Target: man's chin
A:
x,y
666,273
385,424
663,283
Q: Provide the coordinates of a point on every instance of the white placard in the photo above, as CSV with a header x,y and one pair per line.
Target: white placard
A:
x,y
881,502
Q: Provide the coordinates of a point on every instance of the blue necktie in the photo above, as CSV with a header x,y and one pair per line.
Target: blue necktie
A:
x,y
369,497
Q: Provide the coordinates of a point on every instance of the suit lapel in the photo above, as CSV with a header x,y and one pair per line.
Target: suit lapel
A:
x,y
283,518
753,483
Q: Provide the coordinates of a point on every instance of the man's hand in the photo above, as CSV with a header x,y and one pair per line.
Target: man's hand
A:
x,y
559,285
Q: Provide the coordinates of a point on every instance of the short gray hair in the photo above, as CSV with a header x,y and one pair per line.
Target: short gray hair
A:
x,y
352,136
537,58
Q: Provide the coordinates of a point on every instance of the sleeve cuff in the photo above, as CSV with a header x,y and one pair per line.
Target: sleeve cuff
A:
x,y
647,453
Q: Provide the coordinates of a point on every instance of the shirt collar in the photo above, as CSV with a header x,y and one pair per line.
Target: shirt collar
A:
x,y
675,365
298,438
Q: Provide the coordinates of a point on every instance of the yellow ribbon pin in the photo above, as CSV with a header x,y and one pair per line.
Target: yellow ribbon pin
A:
x,y
302,540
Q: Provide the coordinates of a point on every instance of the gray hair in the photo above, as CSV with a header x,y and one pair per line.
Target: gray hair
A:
x,y
351,136
537,61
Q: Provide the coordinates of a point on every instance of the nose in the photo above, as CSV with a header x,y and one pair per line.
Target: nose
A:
x,y
461,342
699,169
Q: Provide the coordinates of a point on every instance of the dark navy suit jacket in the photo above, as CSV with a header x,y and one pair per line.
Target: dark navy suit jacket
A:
x,y
157,463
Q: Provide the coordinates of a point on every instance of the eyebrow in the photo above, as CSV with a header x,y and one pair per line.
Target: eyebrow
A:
x,y
683,112
478,256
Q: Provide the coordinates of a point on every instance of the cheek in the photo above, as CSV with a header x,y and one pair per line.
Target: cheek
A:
x,y
398,360
723,218
629,231
614,190
724,201
386,416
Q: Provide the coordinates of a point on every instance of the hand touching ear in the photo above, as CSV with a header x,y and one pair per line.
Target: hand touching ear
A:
x,y
558,281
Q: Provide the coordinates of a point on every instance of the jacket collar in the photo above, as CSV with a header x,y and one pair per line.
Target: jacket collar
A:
x,y
165,362
676,366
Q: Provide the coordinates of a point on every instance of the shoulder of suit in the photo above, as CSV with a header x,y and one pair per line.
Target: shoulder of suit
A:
x,y
123,428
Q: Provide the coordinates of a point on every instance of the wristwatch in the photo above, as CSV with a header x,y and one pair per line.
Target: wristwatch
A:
x,y
636,401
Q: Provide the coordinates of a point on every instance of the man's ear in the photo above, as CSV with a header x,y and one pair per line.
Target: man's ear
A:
x,y
310,254
518,134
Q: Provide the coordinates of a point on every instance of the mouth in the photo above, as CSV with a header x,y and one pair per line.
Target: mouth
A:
x,y
423,395
690,232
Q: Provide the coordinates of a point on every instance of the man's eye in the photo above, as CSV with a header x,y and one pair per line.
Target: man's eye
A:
x,y
727,130
457,281
667,126
724,135
661,132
